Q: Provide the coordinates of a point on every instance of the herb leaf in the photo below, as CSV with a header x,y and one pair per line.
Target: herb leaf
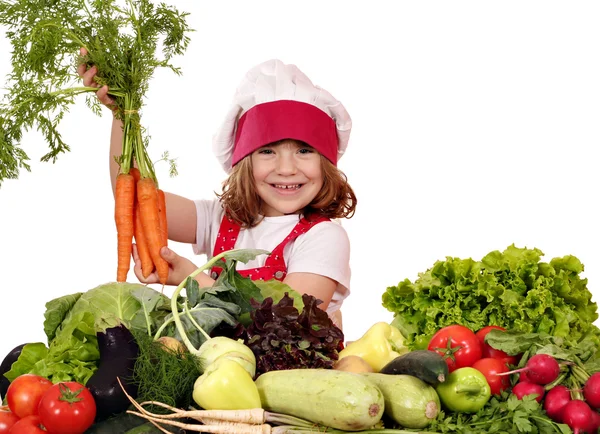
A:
x,y
125,43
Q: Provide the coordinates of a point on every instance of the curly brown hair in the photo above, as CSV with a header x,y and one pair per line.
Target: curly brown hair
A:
x,y
243,204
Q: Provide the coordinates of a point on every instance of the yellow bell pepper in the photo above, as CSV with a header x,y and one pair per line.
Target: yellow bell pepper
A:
x,y
226,385
381,344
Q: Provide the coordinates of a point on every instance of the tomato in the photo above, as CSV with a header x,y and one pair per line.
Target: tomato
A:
x,y
459,346
24,394
488,351
490,368
7,419
28,425
67,408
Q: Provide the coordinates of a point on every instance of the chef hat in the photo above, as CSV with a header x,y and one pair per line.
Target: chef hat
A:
x,y
276,101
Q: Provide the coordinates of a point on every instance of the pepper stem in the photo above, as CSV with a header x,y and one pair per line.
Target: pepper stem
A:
x,y
468,389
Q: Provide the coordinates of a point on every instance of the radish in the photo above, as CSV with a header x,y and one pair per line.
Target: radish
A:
x,y
541,369
591,390
526,388
523,376
594,423
555,401
577,415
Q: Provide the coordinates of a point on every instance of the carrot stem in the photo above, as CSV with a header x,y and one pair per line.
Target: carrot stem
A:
x,y
186,308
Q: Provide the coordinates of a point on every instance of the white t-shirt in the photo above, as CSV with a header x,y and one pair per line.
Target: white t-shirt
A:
x,y
324,249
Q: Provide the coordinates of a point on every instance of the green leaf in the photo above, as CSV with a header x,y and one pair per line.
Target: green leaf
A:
x,y
56,311
276,290
192,291
155,306
30,355
207,317
243,255
231,286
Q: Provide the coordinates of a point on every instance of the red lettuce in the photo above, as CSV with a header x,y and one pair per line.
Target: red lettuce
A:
x,y
281,337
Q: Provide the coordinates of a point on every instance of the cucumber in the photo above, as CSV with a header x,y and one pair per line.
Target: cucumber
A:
x,y
337,399
426,365
408,401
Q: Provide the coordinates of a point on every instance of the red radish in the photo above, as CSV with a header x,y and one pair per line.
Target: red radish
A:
x,y
541,369
555,401
577,415
594,423
526,388
523,376
591,390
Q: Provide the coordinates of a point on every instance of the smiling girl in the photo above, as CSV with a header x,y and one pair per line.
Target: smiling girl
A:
x,y
280,144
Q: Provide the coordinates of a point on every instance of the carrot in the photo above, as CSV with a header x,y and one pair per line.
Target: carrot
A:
x,y
141,243
148,200
140,238
124,199
162,215
136,173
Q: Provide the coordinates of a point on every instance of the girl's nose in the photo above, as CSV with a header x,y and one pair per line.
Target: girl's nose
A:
x,y
286,165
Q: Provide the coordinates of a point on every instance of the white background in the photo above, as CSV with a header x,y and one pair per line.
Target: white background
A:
x,y
475,126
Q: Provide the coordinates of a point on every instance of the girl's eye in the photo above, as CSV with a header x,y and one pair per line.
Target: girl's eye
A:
x,y
305,151
265,151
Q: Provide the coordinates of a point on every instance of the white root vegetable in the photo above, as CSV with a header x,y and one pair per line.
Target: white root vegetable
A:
x,y
224,427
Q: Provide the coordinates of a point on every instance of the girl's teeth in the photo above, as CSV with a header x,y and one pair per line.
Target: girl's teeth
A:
x,y
287,186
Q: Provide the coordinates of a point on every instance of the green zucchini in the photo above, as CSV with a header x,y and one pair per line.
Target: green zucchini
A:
x,y
426,365
337,399
409,401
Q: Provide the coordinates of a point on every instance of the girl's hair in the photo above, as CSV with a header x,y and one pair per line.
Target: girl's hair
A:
x,y
243,204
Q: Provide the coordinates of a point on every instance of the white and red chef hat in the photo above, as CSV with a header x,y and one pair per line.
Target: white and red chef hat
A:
x,y
276,101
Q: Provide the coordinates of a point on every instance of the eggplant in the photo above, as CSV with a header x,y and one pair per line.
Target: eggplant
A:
x,y
5,367
118,354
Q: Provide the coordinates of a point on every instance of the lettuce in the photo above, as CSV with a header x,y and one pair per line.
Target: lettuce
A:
x,y
512,289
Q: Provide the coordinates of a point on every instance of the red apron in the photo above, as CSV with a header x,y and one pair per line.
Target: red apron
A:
x,y
275,267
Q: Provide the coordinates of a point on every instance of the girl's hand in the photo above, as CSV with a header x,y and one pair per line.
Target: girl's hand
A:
x,y
179,267
88,80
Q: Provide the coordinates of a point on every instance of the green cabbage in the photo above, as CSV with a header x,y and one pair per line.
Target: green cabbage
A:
x,y
72,321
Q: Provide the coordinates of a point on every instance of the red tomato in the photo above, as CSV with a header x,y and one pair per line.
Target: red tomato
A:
x,y
7,419
28,425
459,346
488,351
490,368
67,408
24,394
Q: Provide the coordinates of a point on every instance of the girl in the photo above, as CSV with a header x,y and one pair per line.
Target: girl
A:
x,y
280,143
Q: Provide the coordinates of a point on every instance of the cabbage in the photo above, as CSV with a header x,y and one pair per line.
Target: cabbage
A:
x,y
72,321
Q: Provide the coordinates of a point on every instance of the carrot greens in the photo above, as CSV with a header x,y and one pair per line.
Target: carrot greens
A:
x,y
125,39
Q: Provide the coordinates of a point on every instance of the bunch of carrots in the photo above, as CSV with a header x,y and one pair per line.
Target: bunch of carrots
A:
x,y
140,208
140,212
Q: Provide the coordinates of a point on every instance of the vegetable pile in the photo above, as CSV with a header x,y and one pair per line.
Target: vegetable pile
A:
x,y
512,289
244,356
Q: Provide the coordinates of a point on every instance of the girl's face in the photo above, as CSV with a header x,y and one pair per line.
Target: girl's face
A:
x,y
288,176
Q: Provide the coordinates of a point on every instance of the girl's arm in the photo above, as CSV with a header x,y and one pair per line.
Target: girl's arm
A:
x,y
320,262
320,287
